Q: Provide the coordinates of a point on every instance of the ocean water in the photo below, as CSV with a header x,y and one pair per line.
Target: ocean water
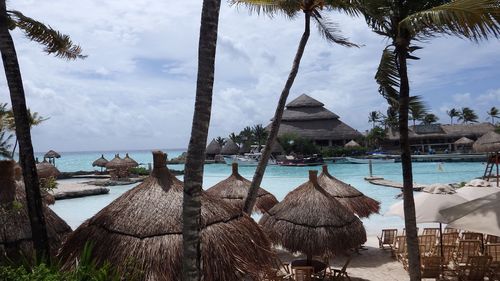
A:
x,y
277,180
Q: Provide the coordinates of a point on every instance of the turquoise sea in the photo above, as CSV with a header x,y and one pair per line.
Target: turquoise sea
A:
x,y
277,180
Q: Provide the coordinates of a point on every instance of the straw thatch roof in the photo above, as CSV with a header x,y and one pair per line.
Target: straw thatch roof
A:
x,y
433,131
352,143
100,162
234,190
230,148
349,196
489,142
52,154
130,162
46,170
116,163
464,141
304,101
143,228
311,221
15,228
277,148
213,148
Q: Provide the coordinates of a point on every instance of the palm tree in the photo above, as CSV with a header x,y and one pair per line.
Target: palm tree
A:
x,y
34,119
493,113
391,119
452,113
374,117
467,115
55,43
430,118
235,138
195,159
221,141
259,135
403,22
417,112
310,8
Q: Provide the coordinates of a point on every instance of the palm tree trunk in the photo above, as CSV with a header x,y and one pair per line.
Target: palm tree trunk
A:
x,y
26,155
261,167
14,149
193,177
408,201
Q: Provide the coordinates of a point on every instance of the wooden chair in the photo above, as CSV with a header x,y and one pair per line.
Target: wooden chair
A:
x,y
387,238
493,250
426,243
335,274
404,231
451,230
476,269
472,236
490,239
431,231
450,239
448,255
279,272
430,267
466,249
400,252
302,273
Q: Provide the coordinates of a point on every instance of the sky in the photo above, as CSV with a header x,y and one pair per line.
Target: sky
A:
x,y
136,88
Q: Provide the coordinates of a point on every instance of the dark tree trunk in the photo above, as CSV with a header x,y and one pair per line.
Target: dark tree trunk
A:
x,y
193,177
26,155
408,202
261,167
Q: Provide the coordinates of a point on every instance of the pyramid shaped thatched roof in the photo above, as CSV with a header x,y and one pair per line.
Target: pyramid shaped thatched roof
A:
x,y
52,154
489,142
234,190
230,148
349,196
15,228
100,162
116,163
352,143
464,141
145,225
130,162
311,221
213,148
47,170
304,101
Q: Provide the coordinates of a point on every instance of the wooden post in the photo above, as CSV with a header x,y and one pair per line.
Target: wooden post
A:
x,y
370,167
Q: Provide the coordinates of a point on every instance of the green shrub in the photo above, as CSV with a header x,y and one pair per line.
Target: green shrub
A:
x,y
141,171
294,143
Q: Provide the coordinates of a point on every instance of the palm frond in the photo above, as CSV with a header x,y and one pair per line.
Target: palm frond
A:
x,y
54,41
330,31
288,8
470,19
349,7
387,76
378,15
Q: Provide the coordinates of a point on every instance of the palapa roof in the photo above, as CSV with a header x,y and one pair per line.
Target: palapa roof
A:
x,y
130,162
116,163
464,141
489,142
52,154
311,221
230,148
46,170
352,143
145,225
234,190
307,118
213,148
472,131
100,162
348,195
15,227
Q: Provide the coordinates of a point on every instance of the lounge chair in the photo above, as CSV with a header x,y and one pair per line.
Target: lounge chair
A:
x,y
302,273
451,230
466,249
448,254
450,239
279,272
426,243
476,269
387,238
491,239
472,236
430,267
431,231
339,274
493,250
404,231
399,251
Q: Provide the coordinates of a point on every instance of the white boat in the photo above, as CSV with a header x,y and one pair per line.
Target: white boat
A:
x,y
374,160
249,159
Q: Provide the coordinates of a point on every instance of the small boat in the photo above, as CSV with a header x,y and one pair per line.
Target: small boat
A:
x,y
314,160
374,160
248,159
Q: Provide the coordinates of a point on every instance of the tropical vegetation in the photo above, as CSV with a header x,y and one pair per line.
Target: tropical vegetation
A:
x,y
467,115
493,113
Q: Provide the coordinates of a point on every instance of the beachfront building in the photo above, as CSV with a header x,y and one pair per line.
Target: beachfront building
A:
x,y
438,137
308,118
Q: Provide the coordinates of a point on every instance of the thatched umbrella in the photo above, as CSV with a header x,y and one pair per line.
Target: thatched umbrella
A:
x,y
15,229
311,221
130,162
489,142
230,148
349,196
213,149
46,170
352,144
117,167
100,162
52,155
143,229
234,190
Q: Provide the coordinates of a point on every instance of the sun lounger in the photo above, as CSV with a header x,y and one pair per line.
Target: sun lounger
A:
x,y
340,274
466,249
387,238
450,239
430,267
491,239
431,231
493,250
451,230
426,243
476,269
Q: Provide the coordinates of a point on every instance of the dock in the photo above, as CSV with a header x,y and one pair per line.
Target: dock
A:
x,y
388,183
68,190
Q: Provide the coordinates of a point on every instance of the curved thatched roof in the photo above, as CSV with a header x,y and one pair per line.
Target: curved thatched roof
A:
x,y
130,162
348,195
230,148
311,221
352,143
116,163
100,162
46,170
234,190
143,228
52,154
489,142
15,229
464,141
213,148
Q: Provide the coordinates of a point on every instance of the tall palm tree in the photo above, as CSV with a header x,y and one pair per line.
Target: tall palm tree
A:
x,y
452,113
221,141
290,8
235,138
374,117
467,115
493,113
430,118
55,43
402,23
259,135
193,171
417,113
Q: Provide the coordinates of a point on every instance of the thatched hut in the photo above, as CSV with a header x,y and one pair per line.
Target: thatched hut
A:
x,y
230,148
143,229
349,196
118,169
213,149
352,144
489,142
15,241
100,162
130,162
311,221
463,144
46,170
234,190
52,155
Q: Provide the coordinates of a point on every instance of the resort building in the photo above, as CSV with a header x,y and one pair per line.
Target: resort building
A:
x,y
308,118
438,136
